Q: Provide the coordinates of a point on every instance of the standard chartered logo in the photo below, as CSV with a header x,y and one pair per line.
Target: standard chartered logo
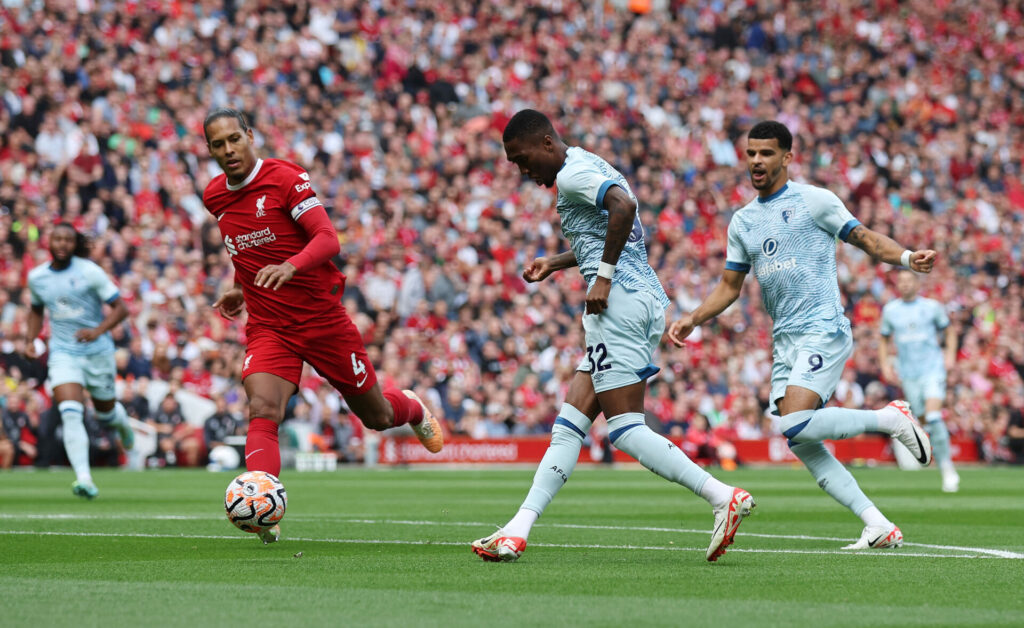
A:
x,y
248,240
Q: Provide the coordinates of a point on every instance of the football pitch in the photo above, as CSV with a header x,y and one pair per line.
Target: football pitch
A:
x,y
618,547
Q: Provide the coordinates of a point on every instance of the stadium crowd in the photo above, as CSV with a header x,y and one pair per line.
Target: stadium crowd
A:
x,y
911,112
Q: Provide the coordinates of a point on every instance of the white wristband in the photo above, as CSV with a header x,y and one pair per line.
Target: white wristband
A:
x,y
905,258
605,270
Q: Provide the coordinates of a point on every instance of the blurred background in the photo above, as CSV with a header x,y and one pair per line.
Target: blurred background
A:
x,y
912,112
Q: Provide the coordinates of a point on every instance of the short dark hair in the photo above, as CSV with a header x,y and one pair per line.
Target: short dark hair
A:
x,y
770,129
527,123
224,112
82,244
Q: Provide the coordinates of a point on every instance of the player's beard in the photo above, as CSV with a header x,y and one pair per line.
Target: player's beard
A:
x,y
770,177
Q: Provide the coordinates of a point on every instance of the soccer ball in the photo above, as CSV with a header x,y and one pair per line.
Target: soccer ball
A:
x,y
255,501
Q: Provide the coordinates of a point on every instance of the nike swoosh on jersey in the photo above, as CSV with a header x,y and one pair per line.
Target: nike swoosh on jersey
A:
x,y
221,216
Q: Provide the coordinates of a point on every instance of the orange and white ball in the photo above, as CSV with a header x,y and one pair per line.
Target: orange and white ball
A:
x,y
255,501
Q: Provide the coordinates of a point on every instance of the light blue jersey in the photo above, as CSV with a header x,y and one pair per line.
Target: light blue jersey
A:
x,y
582,183
789,239
74,297
915,327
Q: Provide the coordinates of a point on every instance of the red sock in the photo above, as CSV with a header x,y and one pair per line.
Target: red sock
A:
x,y
262,452
406,410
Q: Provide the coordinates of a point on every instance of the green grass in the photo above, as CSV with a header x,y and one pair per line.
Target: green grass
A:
x,y
155,549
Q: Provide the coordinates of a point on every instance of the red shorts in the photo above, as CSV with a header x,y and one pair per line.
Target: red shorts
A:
x,y
335,349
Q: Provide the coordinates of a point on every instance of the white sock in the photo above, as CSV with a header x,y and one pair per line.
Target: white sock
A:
x,y
811,426
716,492
521,524
76,439
555,467
630,433
116,417
833,478
872,516
939,435
889,419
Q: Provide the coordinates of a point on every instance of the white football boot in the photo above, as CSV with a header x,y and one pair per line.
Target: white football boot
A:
x,y
499,548
727,520
877,537
910,432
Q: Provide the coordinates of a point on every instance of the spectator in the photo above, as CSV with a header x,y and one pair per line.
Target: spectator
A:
x,y
175,437
221,424
400,128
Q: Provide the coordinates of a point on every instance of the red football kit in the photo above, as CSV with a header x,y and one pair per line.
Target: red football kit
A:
x,y
272,217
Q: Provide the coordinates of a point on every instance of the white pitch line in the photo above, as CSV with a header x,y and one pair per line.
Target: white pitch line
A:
x,y
72,517
573,526
647,548
796,537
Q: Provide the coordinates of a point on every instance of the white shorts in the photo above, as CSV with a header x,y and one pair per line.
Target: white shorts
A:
x,y
95,373
621,341
918,389
812,361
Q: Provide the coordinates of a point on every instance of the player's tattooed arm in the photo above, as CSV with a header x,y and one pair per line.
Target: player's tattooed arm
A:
x,y
884,249
563,260
621,217
541,267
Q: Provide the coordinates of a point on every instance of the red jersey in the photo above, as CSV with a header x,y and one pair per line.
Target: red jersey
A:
x,y
259,220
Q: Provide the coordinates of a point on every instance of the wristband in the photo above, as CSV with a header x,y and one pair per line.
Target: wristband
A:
x,y
905,258
605,270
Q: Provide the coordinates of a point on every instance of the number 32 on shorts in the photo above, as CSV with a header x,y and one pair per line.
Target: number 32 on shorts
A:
x,y
597,355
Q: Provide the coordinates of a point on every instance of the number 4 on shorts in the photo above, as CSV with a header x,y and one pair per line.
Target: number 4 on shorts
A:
x,y
358,368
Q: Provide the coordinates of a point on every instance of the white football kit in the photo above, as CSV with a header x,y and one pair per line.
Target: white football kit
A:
x,y
621,341
914,328
789,240
74,297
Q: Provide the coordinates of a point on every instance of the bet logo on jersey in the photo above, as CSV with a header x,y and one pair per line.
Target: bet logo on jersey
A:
x,y
770,247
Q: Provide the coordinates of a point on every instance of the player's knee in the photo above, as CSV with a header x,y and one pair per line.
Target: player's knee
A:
x,y
377,419
565,435
376,422
792,426
264,408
